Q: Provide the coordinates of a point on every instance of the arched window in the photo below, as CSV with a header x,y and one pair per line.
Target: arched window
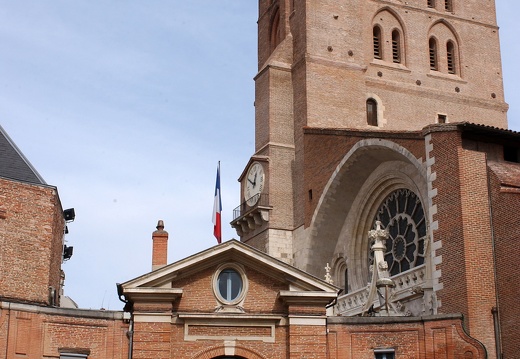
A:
x,y
396,46
433,54
378,50
371,112
447,5
450,55
431,3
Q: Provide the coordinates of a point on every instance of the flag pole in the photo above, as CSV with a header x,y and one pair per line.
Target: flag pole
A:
x,y
217,209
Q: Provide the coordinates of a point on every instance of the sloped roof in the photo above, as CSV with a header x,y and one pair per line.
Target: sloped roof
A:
x,y
13,164
232,250
507,172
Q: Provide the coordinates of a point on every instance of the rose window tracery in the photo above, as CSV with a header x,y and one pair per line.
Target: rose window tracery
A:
x,y
402,214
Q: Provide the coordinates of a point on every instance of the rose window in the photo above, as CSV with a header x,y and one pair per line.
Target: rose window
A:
x,y
402,214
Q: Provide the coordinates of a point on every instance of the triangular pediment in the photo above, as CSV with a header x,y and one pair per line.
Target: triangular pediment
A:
x,y
162,282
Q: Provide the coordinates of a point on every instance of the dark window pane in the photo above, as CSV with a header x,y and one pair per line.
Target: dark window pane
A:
x,y
372,112
229,284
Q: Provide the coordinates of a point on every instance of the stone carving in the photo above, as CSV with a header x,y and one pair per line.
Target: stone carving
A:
x,y
379,301
328,277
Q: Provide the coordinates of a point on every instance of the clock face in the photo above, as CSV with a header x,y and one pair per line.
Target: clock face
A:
x,y
254,183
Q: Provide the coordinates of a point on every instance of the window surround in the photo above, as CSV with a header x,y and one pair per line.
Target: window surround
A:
x,y
340,272
238,300
403,214
384,353
372,109
448,6
377,36
396,47
67,355
451,57
433,54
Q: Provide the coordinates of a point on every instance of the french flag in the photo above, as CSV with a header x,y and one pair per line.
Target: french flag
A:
x,y
217,208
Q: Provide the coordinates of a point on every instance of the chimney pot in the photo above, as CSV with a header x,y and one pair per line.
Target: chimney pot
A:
x,y
160,246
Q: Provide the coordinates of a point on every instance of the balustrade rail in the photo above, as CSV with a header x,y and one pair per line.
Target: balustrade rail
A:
x,y
263,201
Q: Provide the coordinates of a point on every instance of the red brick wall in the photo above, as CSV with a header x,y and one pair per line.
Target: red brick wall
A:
x,y
454,294
262,295
356,338
152,340
478,246
324,150
36,332
506,209
31,240
465,259
307,341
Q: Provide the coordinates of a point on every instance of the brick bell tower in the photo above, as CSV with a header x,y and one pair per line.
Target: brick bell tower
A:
x,y
369,66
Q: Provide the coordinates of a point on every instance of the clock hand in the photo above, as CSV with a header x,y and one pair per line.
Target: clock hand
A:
x,y
251,182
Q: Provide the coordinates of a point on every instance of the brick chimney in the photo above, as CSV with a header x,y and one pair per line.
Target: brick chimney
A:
x,y
160,246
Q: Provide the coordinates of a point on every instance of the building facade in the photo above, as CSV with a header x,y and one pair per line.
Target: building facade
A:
x,y
379,212
383,111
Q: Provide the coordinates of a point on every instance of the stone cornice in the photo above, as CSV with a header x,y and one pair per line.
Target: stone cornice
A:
x,y
151,294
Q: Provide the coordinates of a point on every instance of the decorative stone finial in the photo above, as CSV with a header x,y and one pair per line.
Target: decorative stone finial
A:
x,y
378,232
328,277
379,297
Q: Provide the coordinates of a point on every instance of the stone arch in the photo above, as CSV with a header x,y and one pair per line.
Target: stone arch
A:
x,y
221,351
339,266
339,206
353,240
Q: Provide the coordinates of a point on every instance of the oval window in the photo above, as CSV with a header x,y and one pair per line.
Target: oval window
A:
x,y
229,284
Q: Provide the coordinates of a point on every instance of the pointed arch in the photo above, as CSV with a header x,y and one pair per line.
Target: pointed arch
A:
x,y
388,32
394,13
371,170
447,47
450,27
275,29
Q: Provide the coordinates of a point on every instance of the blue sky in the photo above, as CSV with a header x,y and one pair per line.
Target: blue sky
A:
x,y
127,106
